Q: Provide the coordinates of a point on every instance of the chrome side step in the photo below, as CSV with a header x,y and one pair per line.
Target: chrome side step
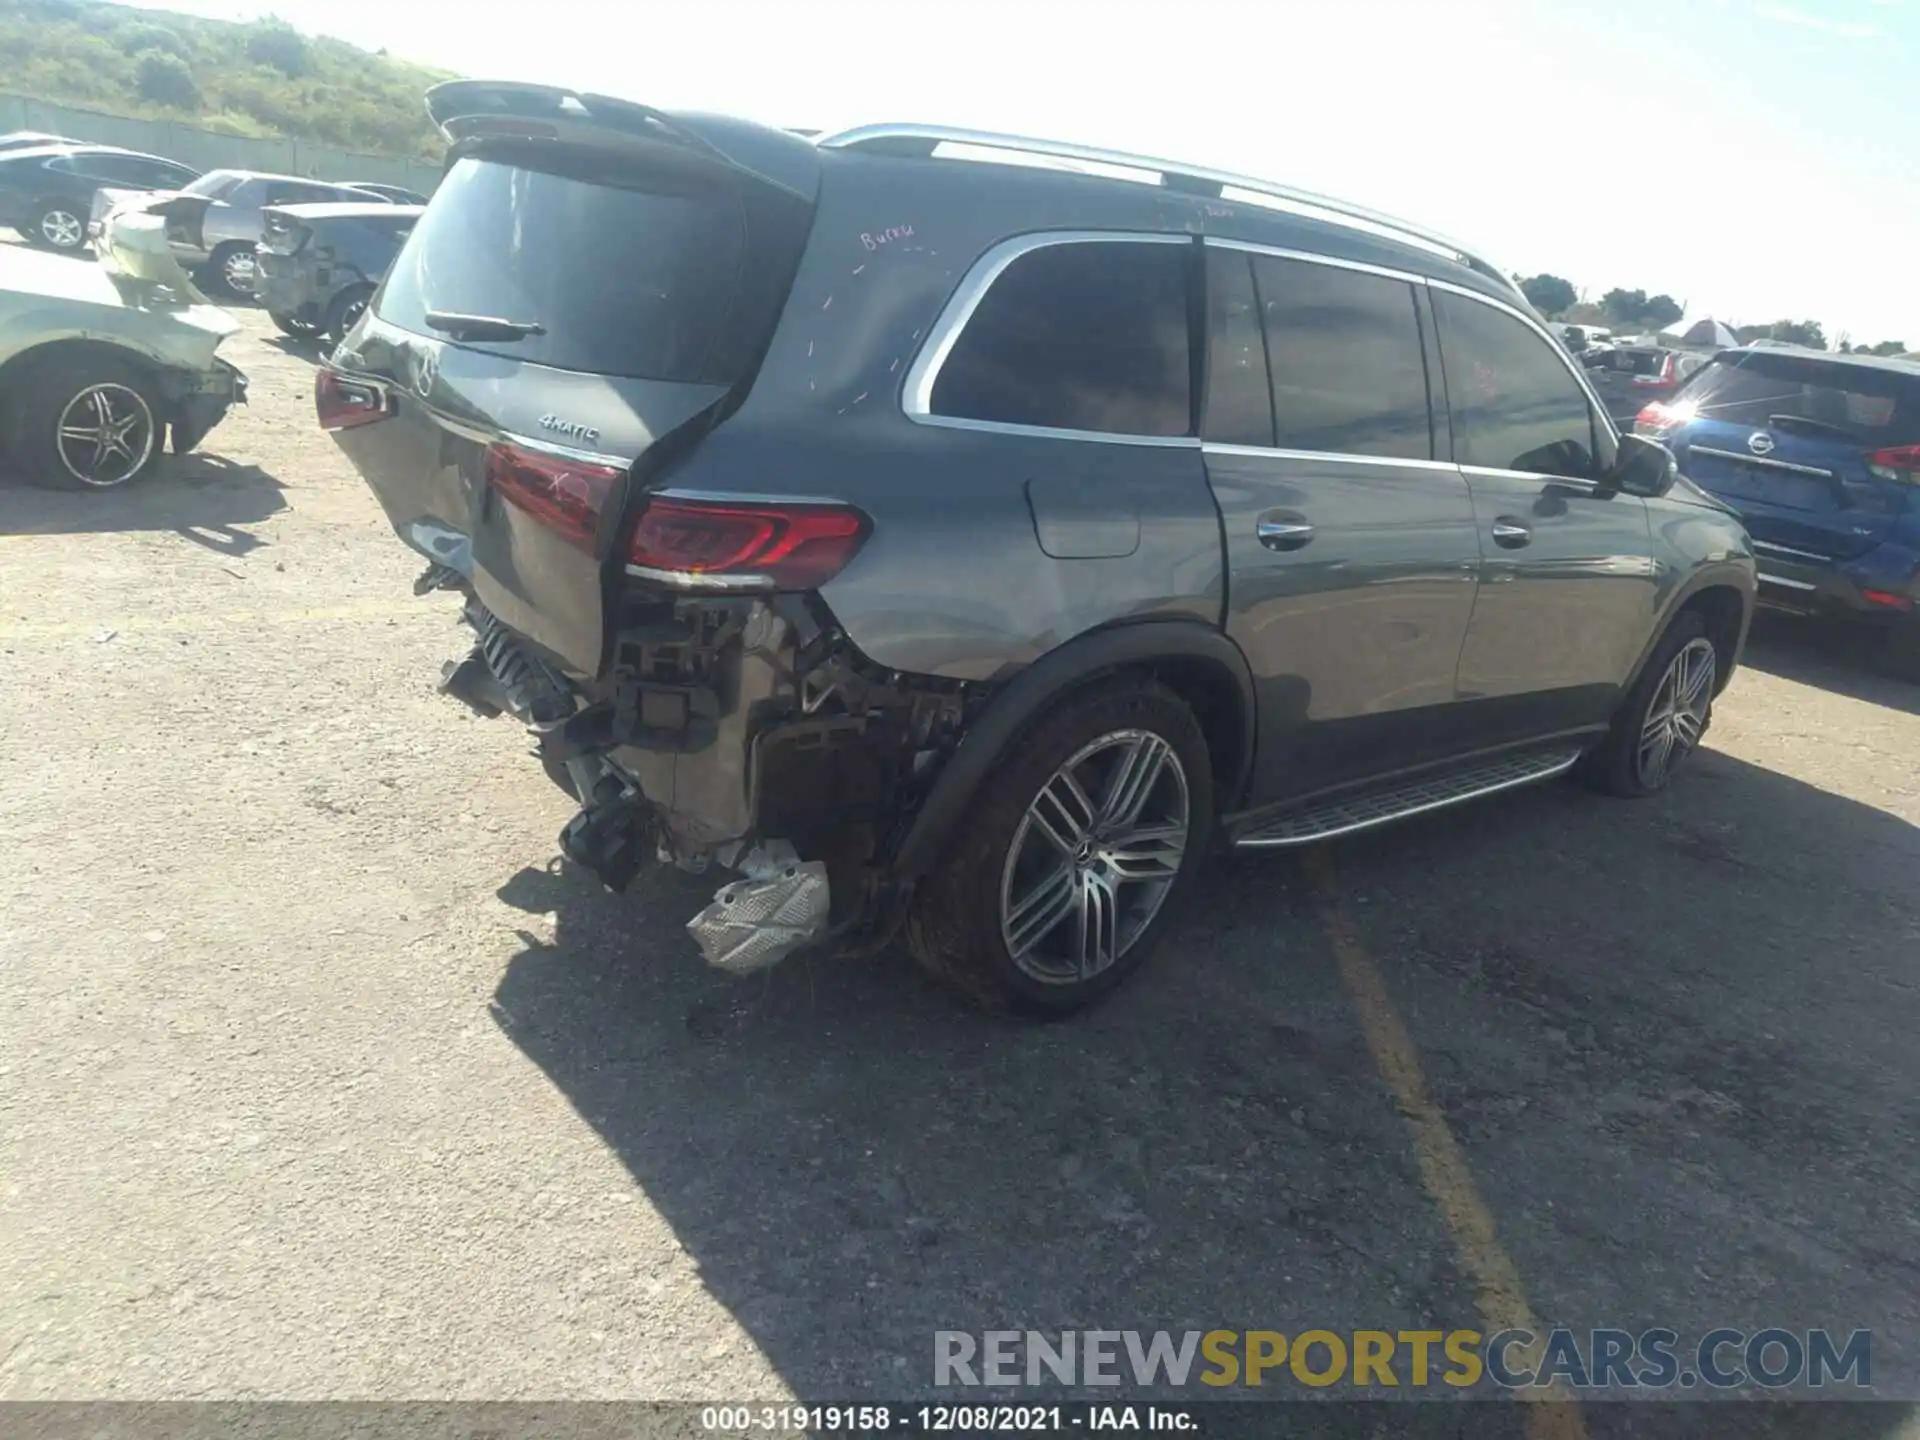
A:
x,y
1344,814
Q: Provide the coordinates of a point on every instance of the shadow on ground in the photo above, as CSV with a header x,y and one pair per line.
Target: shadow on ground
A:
x,y
1622,996
1845,659
203,497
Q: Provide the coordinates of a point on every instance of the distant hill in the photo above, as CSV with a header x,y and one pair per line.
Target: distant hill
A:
x,y
261,79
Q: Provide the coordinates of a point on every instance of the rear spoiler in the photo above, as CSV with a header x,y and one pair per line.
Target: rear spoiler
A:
x,y
471,113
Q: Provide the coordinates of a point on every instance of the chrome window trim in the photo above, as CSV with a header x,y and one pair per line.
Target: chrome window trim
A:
x,y
1748,458
1050,432
1558,348
916,392
1766,579
1279,252
1789,550
1338,457
1495,472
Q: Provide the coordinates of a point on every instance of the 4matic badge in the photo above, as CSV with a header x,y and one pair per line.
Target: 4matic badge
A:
x,y
568,427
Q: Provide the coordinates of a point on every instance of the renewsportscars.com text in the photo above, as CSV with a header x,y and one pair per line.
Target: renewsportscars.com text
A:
x,y
1383,1359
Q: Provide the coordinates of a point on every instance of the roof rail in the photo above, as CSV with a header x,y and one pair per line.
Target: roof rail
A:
x,y
923,140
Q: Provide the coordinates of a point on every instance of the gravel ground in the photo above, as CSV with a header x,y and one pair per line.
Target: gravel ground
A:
x,y
318,1078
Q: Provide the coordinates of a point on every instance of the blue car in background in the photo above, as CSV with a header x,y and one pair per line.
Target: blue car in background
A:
x,y
1820,455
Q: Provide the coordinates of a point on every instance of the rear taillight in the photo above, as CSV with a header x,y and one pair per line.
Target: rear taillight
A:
x,y
1655,419
722,545
343,402
1896,462
564,494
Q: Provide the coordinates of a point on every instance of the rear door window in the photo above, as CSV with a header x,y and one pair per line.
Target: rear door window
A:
x,y
624,279
1344,348
1078,336
1514,402
1765,389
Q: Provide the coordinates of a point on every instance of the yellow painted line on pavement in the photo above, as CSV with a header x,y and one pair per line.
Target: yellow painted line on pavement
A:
x,y
1498,1293
206,624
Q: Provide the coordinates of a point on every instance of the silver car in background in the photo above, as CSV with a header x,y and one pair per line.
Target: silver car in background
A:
x,y
214,223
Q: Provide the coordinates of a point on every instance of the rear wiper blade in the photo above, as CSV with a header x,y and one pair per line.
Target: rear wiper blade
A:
x,y
482,327
1807,422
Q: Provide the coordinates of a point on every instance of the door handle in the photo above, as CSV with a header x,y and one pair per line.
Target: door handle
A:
x,y
1283,534
1510,534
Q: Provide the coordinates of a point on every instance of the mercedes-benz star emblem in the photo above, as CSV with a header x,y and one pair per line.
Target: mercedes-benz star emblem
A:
x,y
427,371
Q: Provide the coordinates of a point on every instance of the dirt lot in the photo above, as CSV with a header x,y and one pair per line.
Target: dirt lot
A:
x,y
318,1078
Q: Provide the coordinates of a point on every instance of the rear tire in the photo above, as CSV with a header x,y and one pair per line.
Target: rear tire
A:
x,y
293,325
1664,717
343,310
230,269
1033,909
84,423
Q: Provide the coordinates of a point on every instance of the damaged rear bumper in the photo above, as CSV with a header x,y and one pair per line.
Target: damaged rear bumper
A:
x,y
737,731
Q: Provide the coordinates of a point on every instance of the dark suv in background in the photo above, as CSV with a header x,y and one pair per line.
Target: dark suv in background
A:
x,y
1820,456
953,540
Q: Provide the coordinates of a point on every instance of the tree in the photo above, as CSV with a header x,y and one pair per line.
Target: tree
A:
x,y
276,43
1794,332
1624,307
1661,311
1889,347
1549,294
166,80
137,39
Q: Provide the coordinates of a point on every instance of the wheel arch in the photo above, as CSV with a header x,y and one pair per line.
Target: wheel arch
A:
x,y
1723,597
53,352
1198,663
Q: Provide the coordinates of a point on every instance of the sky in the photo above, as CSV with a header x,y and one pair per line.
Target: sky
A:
x,y
1755,159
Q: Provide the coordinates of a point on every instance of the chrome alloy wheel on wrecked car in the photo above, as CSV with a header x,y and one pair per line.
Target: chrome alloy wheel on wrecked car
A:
x,y
62,229
1094,857
1678,715
237,272
107,433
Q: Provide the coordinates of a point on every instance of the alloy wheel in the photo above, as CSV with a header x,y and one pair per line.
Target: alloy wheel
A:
x,y
62,229
1678,715
237,271
106,435
1094,857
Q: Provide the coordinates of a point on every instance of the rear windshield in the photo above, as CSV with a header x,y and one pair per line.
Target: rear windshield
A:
x,y
1757,388
1628,362
624,280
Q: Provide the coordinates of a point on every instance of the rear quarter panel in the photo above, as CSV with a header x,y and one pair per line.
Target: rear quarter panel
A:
x,y
953,581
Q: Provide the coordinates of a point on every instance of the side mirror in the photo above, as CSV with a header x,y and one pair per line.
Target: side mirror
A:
x,y
1642,467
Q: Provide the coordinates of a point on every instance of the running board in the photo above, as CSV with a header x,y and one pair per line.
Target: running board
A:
x,y
1342,815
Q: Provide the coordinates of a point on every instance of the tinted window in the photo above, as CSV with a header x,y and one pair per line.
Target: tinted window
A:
x,y
1239,399
1515,404
626,281
215,184
285,192
1768,389
1076,337
1344,348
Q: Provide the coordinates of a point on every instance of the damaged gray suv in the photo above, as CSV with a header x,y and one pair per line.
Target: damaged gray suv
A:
x,y
961,535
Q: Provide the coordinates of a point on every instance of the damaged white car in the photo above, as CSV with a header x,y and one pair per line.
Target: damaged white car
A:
x,y
104,366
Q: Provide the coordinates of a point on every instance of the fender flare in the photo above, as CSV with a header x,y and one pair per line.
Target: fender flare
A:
x,y
1036,688
1721,575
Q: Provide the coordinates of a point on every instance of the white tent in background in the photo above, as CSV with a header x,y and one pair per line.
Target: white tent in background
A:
x,y
1706,331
